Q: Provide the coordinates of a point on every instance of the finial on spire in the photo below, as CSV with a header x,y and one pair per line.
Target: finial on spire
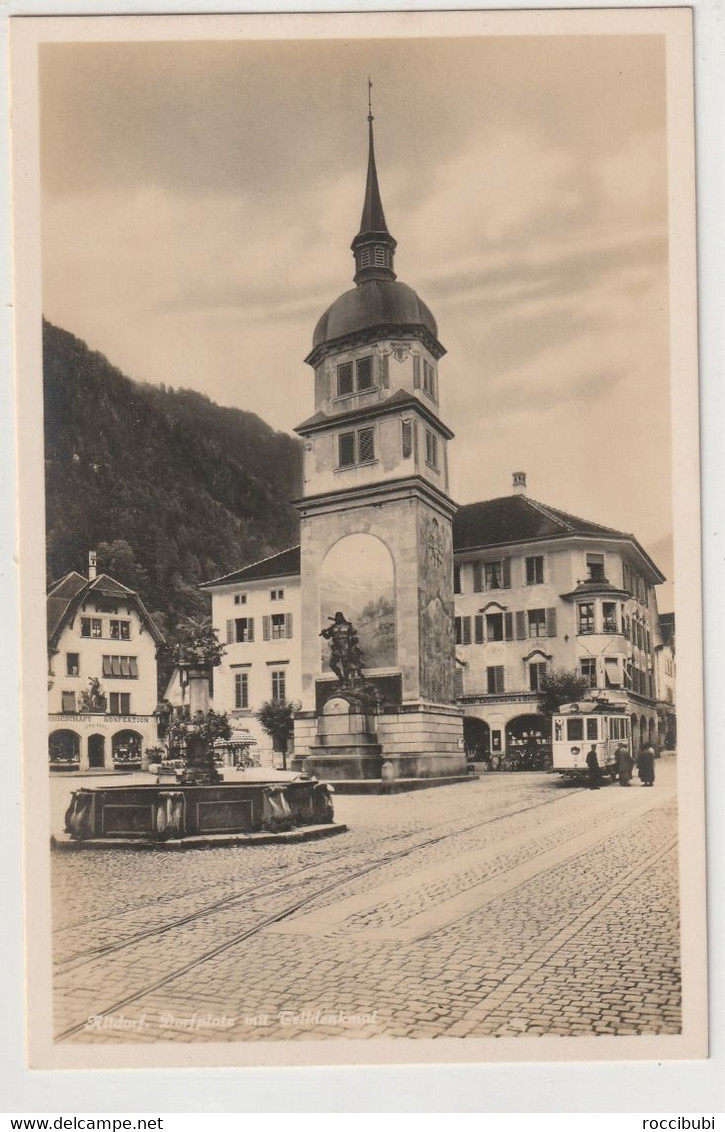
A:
x,y
373,246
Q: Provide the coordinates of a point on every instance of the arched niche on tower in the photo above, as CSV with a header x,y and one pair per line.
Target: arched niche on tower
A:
x,y
357,577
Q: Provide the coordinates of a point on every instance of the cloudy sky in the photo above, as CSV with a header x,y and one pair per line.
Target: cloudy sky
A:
x,y
199,200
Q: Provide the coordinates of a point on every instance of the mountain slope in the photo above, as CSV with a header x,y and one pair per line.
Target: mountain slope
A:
x,y
171,488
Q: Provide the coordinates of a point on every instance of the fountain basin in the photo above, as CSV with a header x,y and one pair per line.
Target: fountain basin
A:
x,y
163,815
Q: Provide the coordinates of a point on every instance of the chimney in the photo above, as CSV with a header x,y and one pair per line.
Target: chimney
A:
x,y
519,484
91,565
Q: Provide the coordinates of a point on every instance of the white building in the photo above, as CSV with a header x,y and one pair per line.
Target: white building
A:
x,y
536,589
102,691
256,613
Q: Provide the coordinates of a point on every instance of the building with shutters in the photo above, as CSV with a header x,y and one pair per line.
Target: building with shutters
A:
x,y
102,692
538,589
256,614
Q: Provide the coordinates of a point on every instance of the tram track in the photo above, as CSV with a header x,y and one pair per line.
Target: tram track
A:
x,y
82,959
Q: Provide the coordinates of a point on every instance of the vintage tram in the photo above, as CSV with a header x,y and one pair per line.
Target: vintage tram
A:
x,y
600,721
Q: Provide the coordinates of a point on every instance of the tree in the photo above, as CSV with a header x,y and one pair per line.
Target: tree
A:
x,y
561,686
277,719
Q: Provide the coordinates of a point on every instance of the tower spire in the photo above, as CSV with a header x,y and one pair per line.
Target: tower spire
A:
x,y
373,246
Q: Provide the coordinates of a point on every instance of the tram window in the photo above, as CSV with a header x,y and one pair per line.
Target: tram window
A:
x,y
592,729
558,730
574,729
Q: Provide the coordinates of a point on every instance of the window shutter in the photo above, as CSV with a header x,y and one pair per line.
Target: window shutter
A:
x,y
364,372
507,573
230,632
366,444
466,630
508,619
477,577
521,625
385,371
551,622
499,680
416,371
346,449
288,624
479,629
266,627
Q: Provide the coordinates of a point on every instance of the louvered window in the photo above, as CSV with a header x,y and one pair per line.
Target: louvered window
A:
x,y
366,445
364,372
379,255
346,444
344,379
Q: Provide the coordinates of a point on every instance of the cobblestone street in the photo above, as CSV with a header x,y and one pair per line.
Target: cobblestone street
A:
x,y
513,905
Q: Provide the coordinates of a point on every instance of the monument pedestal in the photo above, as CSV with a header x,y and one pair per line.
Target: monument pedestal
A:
x,y
405,747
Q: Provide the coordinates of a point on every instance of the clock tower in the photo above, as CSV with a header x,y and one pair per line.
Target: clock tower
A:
x,y
376,524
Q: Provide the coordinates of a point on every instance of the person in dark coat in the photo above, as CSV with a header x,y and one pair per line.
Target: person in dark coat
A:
x,y
646,766
593,765
625,763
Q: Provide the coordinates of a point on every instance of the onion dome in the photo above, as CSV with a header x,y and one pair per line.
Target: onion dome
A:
x,y
378,304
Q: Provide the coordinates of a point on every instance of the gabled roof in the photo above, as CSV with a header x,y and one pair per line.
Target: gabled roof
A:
x,y
285,564
516,518
70,592
477,526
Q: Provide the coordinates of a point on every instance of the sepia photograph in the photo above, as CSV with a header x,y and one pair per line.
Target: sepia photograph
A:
x,y
359,510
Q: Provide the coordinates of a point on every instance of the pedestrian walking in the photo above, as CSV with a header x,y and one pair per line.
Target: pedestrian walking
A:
x,y
625,764
593,765
646,766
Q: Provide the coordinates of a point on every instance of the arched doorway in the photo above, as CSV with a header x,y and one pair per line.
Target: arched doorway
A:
x,y
96,751
635,732
126,747
528,743
642,733
64,749
652,734
476,739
